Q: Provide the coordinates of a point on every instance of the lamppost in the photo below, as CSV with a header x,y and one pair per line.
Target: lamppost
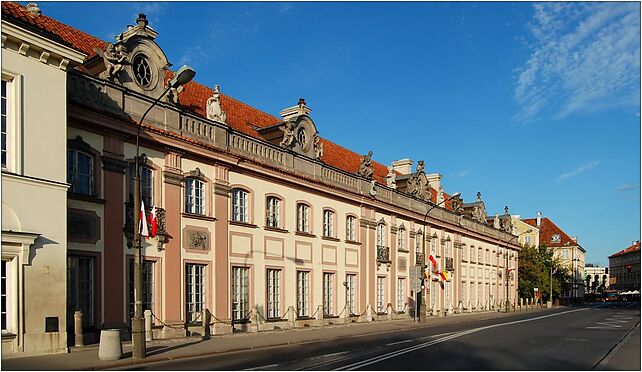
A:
x,y
549,303
507,306
422,304
184,75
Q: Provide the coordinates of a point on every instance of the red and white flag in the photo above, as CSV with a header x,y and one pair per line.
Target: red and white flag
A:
x,y
154,222
142,228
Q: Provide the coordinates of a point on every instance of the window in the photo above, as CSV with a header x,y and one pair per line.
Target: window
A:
x,y
401,294
380,293
194,290
351,280
273,293
148,286
328,292
240,293
6,295
5,123
146,177
80,172
142,70
418,243
433,293
381,234
239,206
464,252
447,294
328,223
556,238
302,293
401,239
273,210
194,196
303,218
80,287
351,223
527,240
433,245
480,256
487,257
463,298
447,250
472,253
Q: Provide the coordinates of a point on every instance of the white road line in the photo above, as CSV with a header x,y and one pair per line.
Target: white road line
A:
x,y
380,358
262,367
398,342
439,335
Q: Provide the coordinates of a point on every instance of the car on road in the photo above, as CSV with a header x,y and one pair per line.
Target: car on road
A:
x,y
610,296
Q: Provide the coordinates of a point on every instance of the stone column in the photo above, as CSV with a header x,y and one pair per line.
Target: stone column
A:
x,y
221,249
78,336
148,325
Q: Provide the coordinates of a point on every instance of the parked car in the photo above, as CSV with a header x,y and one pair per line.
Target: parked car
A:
x,y
609,296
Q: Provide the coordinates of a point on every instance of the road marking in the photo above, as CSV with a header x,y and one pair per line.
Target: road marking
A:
x,y
576,339
439,335
601,365
398,342
262,367
380,358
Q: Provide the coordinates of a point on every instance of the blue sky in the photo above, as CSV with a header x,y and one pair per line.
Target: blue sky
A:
x,y
535,105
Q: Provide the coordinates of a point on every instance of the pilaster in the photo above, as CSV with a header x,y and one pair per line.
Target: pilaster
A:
x,y
172,178
221,248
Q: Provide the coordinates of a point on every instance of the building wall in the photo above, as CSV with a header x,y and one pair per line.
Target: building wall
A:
x,y
623,279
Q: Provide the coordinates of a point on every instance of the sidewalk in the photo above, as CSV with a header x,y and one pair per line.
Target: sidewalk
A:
x,y
625,356
159,350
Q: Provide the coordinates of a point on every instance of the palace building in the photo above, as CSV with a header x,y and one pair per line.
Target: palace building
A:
x,y
260,220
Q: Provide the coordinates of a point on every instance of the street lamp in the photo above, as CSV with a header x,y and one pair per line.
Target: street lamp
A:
x,y
549,303
506,267
422,304
184,75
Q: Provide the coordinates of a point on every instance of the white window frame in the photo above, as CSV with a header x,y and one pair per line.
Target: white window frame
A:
x,y
401,239
240,205
195,196
303,218
328,293
351,280
328,223
351,223
7,115
273,212
401,294
240,293
194,290
418,243
14,121
146,179
381,280
273,293
7,296
381,234
303,293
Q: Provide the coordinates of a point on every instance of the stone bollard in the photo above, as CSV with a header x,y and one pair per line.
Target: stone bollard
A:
x,y
79,340
148,325
369,313
254,318
291,317
320,314
389,312
110,347
206,324
346,314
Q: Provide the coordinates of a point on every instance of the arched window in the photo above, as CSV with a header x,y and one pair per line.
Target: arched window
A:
x,y
351,228
328,223
194,196
419,242
381,234
401,239
303,218
240,206
273,212
146,177
80,172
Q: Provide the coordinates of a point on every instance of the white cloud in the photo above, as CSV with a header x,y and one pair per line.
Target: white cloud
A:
x,y
627,187
585,58
462,173
578,170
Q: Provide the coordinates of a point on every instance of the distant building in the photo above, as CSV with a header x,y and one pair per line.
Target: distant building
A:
x,y
624,268
520,228
565,247
598,277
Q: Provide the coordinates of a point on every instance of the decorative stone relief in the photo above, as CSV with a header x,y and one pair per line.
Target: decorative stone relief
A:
x,y
457,204
496,223
214,110
373,188
391,178
417,185
440,195
366,169
172,94
288,134
197,240
318,147
114,57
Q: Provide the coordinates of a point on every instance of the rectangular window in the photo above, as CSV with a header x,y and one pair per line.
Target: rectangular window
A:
x,y
273,293
447,293
239,206
433,245
273,212
302,292
351,223
401,239
527,240
463,296
351,280
240,293
381,235
194,196
328,293
80,287
487,257
401,294
472,254
148,286
146,177
80,172
194,290
433,293
328,223
418,243
464,252
303,218
380,294
6,299
5,122
447,249
480,256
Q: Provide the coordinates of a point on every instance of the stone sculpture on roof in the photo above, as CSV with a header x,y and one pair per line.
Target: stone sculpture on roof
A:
x,y
506,221
288,134
418,185
115,58
318,147
496,223
391,178
373,188
458,204
440,194
366,169
214,110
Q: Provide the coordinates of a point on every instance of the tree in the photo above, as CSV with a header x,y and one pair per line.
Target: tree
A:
x,y
588,280
535,272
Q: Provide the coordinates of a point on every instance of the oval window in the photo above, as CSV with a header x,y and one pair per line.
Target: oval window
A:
x,y
142,70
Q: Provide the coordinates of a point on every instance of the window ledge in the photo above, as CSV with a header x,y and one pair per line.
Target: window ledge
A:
x,y
245,224
275,229
301,233
353,242
87,198
402,250
8,336
305,318
330,238
198,216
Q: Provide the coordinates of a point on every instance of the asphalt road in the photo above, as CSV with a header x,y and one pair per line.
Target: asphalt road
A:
x,y
576,338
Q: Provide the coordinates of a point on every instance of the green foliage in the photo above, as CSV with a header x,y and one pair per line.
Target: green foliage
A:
x,y
535,272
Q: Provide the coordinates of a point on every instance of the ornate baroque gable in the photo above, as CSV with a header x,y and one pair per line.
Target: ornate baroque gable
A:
x,y
416,184
476,210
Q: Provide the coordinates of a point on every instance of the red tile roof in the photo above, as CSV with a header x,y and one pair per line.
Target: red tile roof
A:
x,y
240,117
76,38
635,247
547,229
